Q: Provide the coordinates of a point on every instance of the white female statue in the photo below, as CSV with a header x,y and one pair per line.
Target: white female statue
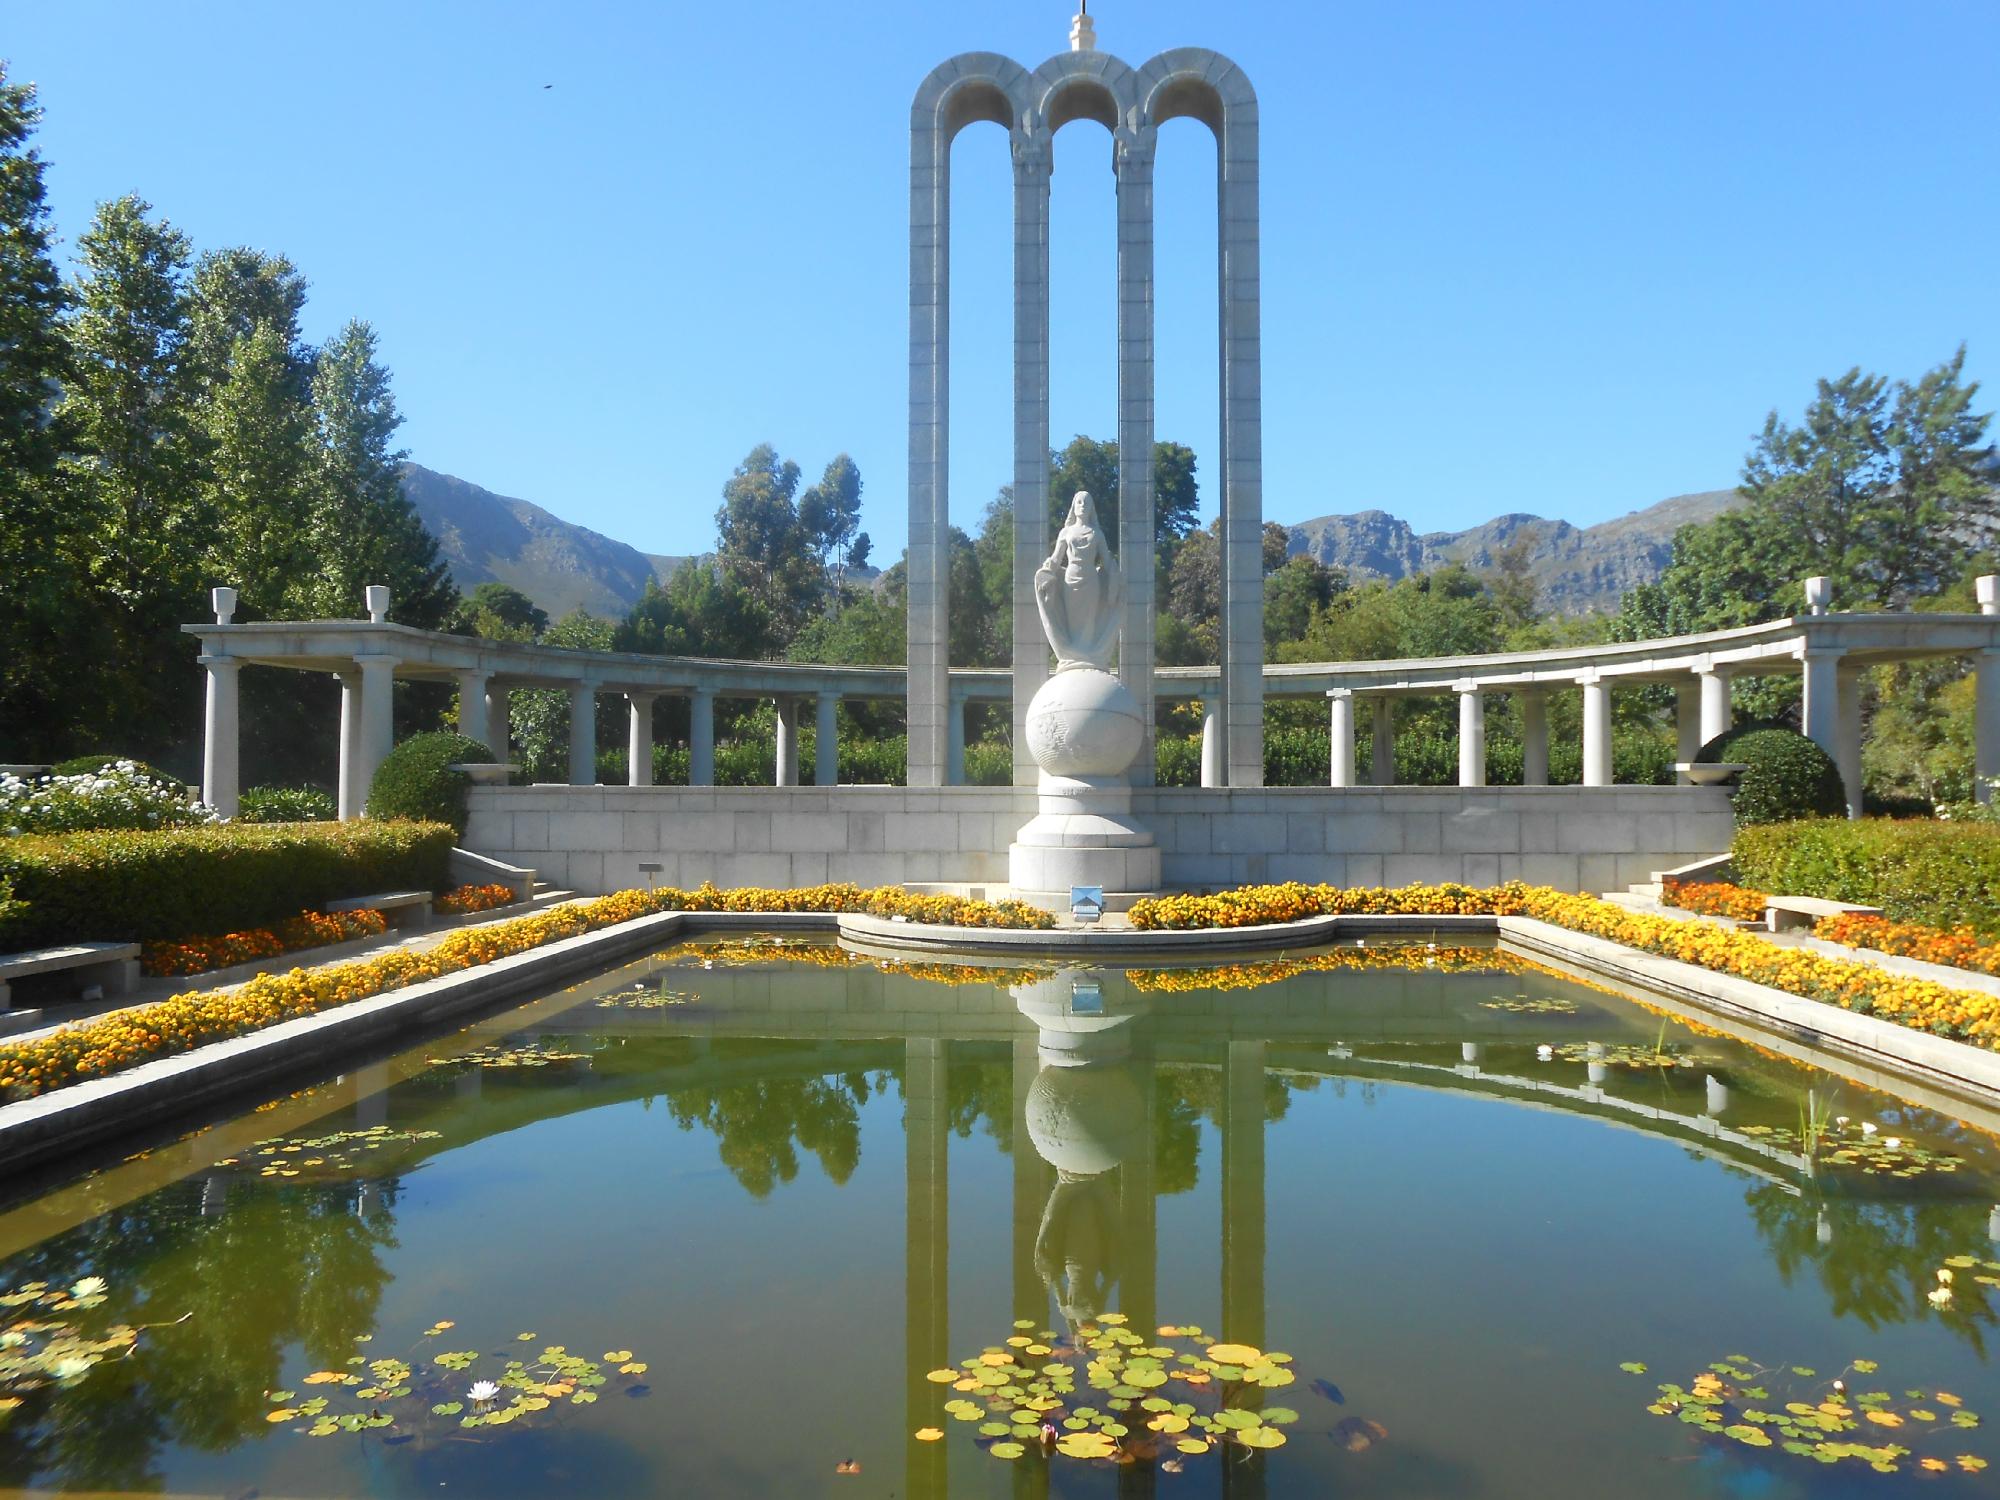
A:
x,y
1078,591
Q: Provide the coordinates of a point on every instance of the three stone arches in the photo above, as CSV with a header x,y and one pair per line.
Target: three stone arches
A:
x,y
1031,107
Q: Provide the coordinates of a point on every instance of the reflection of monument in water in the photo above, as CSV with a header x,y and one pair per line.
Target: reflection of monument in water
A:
x,y
1086,1115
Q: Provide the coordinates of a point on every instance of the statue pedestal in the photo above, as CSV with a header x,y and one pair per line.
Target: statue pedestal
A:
x,y
1083,835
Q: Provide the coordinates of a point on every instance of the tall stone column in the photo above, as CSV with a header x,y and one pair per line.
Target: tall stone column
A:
x,y
1032,164
1241,465
221,735
1534,738
929,555
1214,763
1132,159
1382,743
1986,722
1340,733
583,734
926,1328
1596,729
788,742
1717,716
826,740
701,736
1471,734
378,717
1687,723
639,739
472,721
353,791
499,718
954,745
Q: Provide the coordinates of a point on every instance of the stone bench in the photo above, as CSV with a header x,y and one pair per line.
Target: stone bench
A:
x,y
1791,913
113,966
402,909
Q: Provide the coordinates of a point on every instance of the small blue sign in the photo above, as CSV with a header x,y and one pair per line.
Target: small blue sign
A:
x,y
1086,902
1086,998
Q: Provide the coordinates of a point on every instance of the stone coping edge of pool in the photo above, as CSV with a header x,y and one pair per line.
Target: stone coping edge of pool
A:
x,y
36,1131
1959,1066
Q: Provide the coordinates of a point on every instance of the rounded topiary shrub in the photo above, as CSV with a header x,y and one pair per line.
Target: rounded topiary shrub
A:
x,y
1789,776
417,781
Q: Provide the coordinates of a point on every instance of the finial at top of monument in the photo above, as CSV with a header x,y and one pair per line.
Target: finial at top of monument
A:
x,y
1082,30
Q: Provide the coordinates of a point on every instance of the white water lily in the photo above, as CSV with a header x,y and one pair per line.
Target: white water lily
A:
x,y
1941,1296
1893,1142
1841,1121
1869,1128
90,1286
1944,1276
483,1390
1545,1053
72,1369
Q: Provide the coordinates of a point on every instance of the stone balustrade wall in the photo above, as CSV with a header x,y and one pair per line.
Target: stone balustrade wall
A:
x,y
593,839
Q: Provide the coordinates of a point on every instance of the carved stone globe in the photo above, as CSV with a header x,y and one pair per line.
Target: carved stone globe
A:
x,y
1085,1121
1084,722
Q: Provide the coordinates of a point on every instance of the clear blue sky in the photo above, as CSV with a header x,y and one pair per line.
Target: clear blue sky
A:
x,y
1554,258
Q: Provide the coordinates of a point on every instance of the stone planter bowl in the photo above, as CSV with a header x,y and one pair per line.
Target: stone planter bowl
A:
x,y
1707,773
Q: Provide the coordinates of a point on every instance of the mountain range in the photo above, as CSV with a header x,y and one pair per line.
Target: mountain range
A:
x,y
485,537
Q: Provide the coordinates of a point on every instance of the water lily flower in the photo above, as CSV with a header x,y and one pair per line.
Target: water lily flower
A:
x,y
483,1390
90,1286
1869,1127
1944,1276
1841,1121
1545,1053
1893,1142
1940,1296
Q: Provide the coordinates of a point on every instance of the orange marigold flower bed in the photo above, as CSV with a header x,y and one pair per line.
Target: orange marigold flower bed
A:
x,y
1960,947
1715,898
125,1038
1852,984
464,899
309,929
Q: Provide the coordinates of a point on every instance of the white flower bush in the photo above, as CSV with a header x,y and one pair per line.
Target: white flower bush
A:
x,y
118,796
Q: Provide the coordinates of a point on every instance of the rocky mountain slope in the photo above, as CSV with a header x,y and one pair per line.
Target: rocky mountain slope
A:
x,y
1579,569
562,566
487,537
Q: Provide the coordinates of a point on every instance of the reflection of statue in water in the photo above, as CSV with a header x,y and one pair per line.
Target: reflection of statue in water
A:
x,y
1084,1122
1078,590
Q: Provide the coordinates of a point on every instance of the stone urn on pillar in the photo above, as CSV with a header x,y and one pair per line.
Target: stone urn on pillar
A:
x,y
1084,730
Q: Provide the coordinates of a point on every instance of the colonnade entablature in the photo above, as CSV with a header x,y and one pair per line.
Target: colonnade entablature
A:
x,y
1828,650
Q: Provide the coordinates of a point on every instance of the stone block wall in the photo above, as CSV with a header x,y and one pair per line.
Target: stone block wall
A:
x,y
593,839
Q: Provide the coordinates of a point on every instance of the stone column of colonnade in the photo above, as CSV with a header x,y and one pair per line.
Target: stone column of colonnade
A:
x,y
1132,164
639,738
1033,162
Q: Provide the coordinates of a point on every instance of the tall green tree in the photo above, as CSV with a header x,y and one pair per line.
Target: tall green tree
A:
x,y
256,433
704,610
1092,464
39,618
231,294
364,529
500,612
131,477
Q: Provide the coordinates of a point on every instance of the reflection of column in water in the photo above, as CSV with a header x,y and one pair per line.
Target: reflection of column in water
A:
x,y
926,1331
1031,1190
469,1083
1140,1233
1594,1068
371,1096
1993,1223
1472,1054
1243,1228
1823,1228
1718,1096
214,1196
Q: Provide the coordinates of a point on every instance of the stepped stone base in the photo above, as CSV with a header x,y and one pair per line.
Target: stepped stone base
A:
x,y
1083,834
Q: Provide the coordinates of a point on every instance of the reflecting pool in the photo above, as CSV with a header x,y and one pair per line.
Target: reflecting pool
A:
x,y
759,1218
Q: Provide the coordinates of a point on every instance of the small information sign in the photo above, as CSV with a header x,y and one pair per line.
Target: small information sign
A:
x,y
1086,902
1086,998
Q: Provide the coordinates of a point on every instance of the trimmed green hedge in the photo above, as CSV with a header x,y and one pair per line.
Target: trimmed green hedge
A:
x,y
1788,775
122,886
416,781
1939,874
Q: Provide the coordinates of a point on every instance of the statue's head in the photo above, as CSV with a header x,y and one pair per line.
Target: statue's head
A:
x,y
1083,509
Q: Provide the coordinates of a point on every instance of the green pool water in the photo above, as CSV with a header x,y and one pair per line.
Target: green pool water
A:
x,y
746,1199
